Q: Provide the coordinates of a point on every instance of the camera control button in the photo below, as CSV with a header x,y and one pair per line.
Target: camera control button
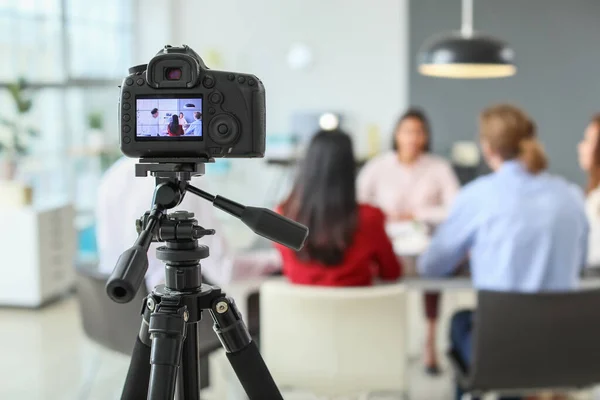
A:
x,y
129,81
140,81
215,98
126,128
126,95
241,79
208,81
126,139
223,129
126,106
231,77
126,117
211,110
251,82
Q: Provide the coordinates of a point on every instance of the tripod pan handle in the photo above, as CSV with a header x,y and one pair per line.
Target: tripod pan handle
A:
x,y
128,274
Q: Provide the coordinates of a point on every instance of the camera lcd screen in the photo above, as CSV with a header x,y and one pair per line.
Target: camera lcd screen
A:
x,y
169,118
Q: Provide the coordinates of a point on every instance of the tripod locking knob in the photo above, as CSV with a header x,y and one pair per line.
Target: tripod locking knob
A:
x,y
199,232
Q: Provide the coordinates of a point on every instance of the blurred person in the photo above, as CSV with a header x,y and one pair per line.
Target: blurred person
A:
x,y
195,128
347,244
123,197
182,121
589,160
523,229
174,129
409,183
151,125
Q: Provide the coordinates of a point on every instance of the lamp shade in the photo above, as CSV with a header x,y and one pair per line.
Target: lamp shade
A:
x,y
466,57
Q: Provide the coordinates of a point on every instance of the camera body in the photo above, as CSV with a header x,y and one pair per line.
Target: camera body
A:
x,y
176,107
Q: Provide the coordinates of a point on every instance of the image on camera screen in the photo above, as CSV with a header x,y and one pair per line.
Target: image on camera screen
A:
x,y
172,117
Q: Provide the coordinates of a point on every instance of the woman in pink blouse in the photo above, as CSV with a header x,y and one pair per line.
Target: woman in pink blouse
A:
x,y
409,183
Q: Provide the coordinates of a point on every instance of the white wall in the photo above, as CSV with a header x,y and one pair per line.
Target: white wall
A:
x,y
360,52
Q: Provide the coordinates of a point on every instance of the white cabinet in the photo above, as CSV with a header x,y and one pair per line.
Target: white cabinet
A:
x,y
37,254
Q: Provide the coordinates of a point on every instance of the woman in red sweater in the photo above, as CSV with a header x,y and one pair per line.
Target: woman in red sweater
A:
x,y
347,244
174,129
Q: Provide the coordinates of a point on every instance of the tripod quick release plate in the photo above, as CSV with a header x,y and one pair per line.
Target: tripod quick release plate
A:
x,y
172,167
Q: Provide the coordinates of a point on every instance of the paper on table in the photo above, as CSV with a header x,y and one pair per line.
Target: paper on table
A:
x,y
409,238
411,246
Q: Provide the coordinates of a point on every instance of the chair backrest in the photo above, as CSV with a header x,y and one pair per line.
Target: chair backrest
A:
x,y
110,324
536,341
334,340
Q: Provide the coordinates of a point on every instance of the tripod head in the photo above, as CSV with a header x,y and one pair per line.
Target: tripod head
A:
x,y
172,183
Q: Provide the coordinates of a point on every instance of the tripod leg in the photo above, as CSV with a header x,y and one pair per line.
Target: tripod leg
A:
x,y
167,330
188,377
138,375
242,352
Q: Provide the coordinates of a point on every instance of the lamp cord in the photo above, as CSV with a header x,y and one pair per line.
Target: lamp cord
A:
x,y
466,28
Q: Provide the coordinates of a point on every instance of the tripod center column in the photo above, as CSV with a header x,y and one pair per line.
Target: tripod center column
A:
x,y
183,271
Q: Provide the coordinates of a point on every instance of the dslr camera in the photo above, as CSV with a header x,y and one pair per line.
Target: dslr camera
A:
x,y
175,106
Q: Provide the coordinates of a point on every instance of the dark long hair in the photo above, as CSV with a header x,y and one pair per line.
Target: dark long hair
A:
x,y
324,197
174,125
419,115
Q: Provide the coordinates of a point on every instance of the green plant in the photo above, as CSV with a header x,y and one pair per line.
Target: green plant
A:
x,y
108,158
95,120
19,131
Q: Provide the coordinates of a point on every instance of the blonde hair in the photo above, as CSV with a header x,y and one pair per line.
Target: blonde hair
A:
x,y
511,134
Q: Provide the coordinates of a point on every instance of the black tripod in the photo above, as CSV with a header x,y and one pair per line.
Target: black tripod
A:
x,y
165,361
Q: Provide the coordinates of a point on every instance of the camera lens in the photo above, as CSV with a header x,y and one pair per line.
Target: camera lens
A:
x,y
173,74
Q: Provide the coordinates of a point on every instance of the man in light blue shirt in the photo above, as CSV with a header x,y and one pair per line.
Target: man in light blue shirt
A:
x,y
522,229
521,232
195,128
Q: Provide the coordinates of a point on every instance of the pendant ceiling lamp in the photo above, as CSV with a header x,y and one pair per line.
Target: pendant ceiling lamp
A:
x,y
466,54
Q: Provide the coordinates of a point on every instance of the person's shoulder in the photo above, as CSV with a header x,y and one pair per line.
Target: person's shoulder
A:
x,y
567,187
369,214
382,159
593,196
477,188
123,166
118,177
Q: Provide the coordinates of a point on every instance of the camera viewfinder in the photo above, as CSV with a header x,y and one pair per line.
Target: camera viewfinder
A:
x,y
173,74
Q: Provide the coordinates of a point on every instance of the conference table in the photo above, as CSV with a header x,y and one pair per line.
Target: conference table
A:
x,y
242,290
409,239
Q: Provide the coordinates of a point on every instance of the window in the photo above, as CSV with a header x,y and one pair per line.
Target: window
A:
x,y
100,34
73,53
31,41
